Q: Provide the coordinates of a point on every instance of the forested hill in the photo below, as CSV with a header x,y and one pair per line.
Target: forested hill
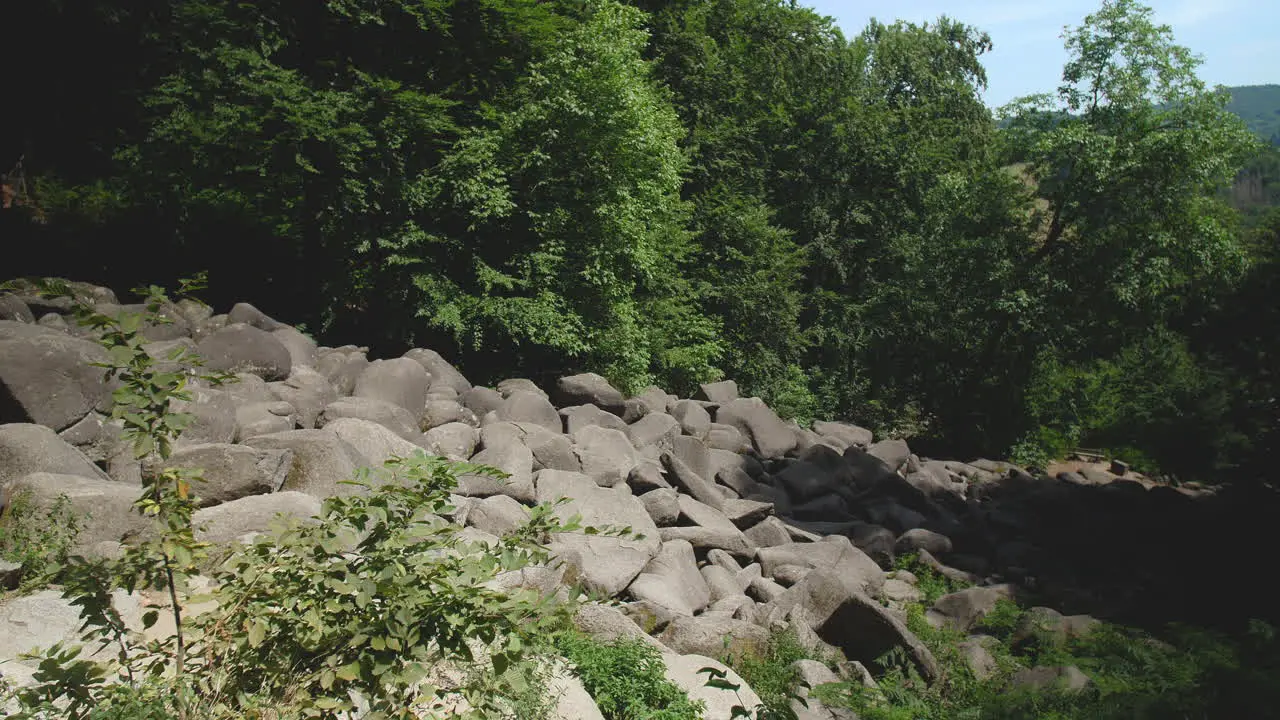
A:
x,y
1259,106
673,192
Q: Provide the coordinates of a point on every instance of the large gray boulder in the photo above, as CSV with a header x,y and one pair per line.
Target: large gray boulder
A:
x,y
303,351
715,636
443,412
27,448
244,348
813,674
589,389
862,628
607,456
375,443
684,478
442,373
342,366
321,460
238,519
213,417
481,400
683,670
522,406
850,434
604,564
455,441
497,515
671,580
577,417
389,415
893,453
835,553
727,437
965,609
400,381
608,624
264,418
104,508
230,472
721,392
47,377
250,315
512,458
770,437
663,505
308,392
13,308
655,429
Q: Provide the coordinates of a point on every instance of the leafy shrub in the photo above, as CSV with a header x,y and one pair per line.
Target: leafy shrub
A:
x,y
37,539
626,679
770,673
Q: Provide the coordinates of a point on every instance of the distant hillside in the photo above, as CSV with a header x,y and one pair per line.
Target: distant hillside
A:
x,y
1259,105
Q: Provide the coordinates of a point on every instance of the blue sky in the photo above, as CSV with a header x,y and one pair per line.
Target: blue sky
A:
x,y
1238,39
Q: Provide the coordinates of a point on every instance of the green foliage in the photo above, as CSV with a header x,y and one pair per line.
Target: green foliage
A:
x,y
930,582
38,539
402,594
771,675
626,679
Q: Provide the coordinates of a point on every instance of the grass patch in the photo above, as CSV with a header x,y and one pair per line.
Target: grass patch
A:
x,y
38,539
627,679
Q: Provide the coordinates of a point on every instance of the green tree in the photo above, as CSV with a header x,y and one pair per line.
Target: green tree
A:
x,y
575,236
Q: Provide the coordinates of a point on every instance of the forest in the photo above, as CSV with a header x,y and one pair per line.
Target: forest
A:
x,y
675,192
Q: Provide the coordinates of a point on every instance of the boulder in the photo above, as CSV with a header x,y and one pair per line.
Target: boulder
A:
x,y
104,508
835,554
442,412
849,433
442,373
250,315
1048,627
693,418
694,453
321,460
767,533
389,415
683,670
455,441
400,382
770,437
715,637
607,456
577,417
512,458
654,399
213,417
507,387
230,472
879,543
572,701
656,429
342,369
1068,678
866,470
308,392
721,392
243,348
302,349
893,453
607,624
813,674
589,389
498,515
746,513
726,437
663,506
522,406
737,479
684,478
481,400
850,620
646,476
47,377
604,564
921,539
806,481
671,580
708,528
240,519
965,609
13,308
264,418
27,448
375,443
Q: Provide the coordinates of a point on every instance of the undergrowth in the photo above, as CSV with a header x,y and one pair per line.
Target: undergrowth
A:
x,y
626,679
39,539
